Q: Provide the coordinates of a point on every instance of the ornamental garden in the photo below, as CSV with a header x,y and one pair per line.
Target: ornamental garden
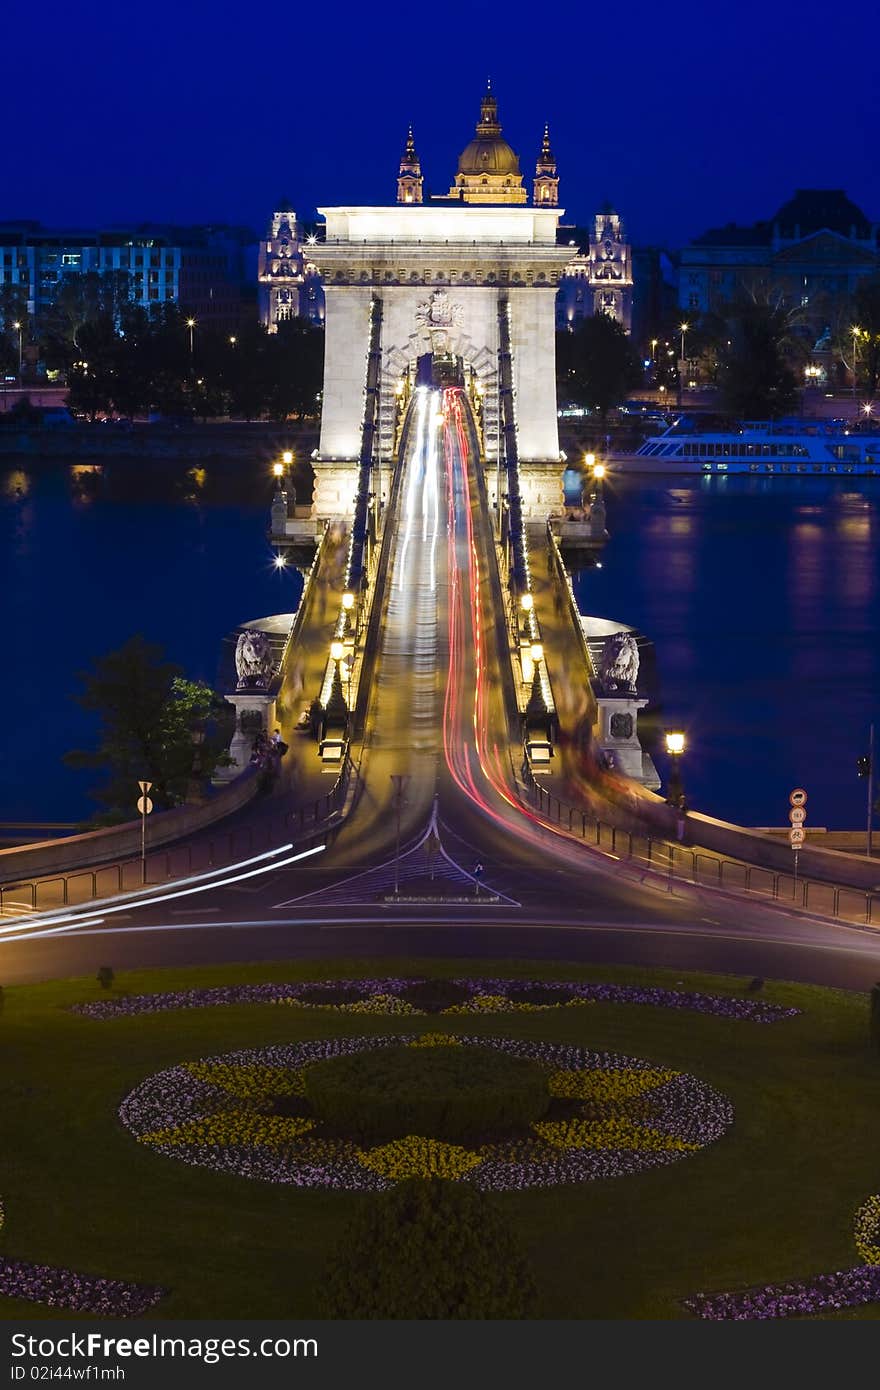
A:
x,y
630,1144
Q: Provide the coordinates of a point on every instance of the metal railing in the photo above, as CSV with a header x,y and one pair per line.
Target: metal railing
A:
x,y
303,825
699,867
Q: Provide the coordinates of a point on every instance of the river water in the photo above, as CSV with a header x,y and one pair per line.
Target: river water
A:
x,y
761,596
90,556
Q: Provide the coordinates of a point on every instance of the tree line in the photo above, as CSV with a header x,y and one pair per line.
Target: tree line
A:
x,y
753,351
121,358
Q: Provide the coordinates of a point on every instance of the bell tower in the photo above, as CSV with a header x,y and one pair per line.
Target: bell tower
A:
x,y
546,186
409,178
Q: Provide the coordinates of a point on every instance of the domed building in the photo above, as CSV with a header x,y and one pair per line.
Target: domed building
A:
x,y
488,169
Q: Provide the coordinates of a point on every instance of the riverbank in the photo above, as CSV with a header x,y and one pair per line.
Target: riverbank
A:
x,y
205,443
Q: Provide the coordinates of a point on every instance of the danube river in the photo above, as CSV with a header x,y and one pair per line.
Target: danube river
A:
x,y
761,596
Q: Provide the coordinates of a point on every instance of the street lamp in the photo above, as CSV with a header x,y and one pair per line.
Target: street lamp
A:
x,y
17,325
675,746
190,323
287,457
232,340
684,329
278,470
855,337
337,652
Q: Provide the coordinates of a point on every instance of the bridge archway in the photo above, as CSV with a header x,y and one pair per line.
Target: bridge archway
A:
x,y
399,361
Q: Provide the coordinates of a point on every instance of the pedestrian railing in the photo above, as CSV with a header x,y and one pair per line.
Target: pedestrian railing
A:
x,y
686,864
301,825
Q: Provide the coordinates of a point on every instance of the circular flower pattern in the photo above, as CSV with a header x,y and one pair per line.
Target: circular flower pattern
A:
x,y
415,996
246,1113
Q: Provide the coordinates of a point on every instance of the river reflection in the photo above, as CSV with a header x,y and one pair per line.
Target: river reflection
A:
x,y
89,555
761,596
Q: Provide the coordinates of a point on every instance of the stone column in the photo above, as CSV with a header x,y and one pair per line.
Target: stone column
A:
x,y
254,710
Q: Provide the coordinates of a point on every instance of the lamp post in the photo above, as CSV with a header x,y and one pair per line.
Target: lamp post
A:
x,y
675,746
348,601
654,342
337,652
855,337
191,323
683,328
18,327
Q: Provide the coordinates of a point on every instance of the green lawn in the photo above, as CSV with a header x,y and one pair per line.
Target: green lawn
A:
x,y
773,1200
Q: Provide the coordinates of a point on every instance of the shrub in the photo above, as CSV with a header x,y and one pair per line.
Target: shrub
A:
x,y
540,994
105,976
428,1249
453,1093
328,994
432,996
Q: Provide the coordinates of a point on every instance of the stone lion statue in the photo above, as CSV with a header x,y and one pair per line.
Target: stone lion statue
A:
x,y
619,665
254,662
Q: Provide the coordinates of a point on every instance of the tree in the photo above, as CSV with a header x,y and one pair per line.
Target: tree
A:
x,y
429,1248
147,714
866,317
755,376
597,364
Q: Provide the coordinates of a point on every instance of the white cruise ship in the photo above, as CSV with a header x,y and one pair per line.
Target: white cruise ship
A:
x,y
778,447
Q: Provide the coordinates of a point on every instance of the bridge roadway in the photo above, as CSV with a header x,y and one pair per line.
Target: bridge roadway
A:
x,y
439,716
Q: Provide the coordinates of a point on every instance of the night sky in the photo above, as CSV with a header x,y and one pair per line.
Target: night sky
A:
x,y
685,116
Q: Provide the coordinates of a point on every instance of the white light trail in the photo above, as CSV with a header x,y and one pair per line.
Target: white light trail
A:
x,y
135,900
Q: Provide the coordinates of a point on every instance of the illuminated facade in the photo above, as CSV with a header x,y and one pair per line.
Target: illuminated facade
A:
x,y
599,280
409,178
488,169
289,283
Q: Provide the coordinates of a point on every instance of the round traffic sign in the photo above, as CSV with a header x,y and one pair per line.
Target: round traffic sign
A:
x,y
797,835
145,805
798,797
797,815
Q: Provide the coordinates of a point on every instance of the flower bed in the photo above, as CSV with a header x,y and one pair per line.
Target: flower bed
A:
x,y
248,1113
80,1293
420,996
867,1231
844,1288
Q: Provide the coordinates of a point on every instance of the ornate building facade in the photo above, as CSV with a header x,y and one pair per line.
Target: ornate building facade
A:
x,y
599,280
289,284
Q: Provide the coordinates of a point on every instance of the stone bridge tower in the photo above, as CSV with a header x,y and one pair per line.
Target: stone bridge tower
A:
x,y
442,271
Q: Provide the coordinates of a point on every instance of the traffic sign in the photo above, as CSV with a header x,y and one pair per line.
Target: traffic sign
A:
x,y
797,835
798,797
797,815
145,805
145,786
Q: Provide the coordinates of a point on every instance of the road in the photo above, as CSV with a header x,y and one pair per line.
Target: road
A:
x,y
439,719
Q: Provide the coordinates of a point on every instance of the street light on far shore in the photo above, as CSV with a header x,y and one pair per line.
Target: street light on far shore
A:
x,y
287,457
599,471
337,651
18,327
190,323
278,470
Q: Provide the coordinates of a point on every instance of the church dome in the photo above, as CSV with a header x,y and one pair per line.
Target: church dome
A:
x,y
488,153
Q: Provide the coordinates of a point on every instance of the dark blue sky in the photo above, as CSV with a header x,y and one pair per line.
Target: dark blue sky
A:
x,y
685,115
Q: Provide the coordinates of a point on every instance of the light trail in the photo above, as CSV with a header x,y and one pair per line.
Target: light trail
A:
x,y
72,920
